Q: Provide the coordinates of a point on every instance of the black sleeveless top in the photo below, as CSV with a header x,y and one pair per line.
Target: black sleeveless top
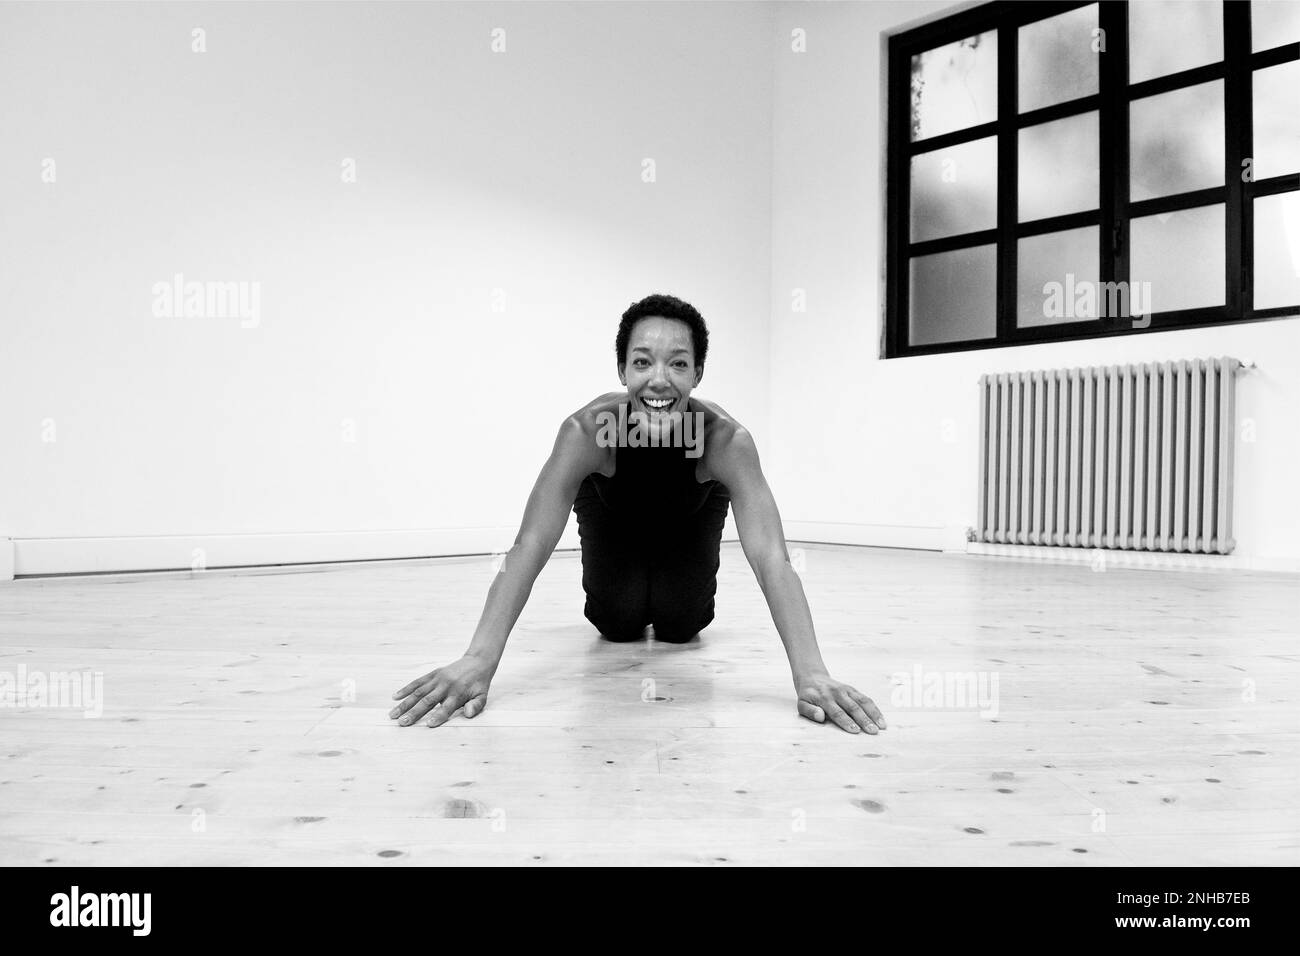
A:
x,y
653,481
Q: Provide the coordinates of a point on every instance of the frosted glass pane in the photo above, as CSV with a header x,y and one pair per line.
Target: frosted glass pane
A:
x,y
953,296
1056,59
955,86
955,190
1274,23
1277,251
1178,256
1276,93
1055,274
1166,36
1176,141
1059,170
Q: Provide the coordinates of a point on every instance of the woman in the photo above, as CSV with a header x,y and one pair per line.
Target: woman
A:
x,y
651,503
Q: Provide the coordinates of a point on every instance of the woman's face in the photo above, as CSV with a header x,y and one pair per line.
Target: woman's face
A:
x,y
660,365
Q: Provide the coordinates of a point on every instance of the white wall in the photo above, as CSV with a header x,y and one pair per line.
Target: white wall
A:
x,y
860,450
475,171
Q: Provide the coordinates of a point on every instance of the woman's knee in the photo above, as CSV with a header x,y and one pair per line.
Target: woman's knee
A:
x,y
617,623
677,625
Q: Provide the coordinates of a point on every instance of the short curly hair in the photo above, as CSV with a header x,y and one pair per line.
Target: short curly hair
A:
x,y
670,307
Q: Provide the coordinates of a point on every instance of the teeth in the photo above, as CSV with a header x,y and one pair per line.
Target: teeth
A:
x,y
659,403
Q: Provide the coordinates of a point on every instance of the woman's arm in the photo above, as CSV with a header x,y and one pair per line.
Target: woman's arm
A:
x,y
464,683
734,461
545,518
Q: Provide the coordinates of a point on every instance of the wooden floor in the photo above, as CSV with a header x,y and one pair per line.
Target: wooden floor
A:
x,y
1142,717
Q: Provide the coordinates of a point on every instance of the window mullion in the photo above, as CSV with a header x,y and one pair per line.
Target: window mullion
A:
x,y
897,201
1114,146
1238,214
1008,190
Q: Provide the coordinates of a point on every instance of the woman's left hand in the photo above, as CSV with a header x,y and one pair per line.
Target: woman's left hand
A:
x,y
822,696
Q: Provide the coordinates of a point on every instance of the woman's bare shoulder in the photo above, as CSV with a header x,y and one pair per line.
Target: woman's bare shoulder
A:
x,y
590,415
718,424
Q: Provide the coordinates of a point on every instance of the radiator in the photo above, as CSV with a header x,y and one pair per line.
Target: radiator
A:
x,y
1135,457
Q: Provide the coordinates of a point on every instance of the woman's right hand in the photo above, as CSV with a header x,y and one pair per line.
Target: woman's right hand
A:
x,y
441,692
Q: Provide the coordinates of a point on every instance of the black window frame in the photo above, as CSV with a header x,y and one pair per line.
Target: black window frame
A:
x,y
1114,211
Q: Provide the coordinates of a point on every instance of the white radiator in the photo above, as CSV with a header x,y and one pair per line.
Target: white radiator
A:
x,y
1134,457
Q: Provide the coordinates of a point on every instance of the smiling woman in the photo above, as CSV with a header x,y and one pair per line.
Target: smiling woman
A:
x,y
650,518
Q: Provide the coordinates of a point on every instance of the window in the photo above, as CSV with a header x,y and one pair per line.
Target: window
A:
x,y
1074,170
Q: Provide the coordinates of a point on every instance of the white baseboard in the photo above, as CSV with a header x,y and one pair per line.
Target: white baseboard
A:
x,y
28,557
50,556
37,557
917,537
1105,558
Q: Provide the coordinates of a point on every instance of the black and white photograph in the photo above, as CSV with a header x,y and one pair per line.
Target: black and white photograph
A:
x,y
586,433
